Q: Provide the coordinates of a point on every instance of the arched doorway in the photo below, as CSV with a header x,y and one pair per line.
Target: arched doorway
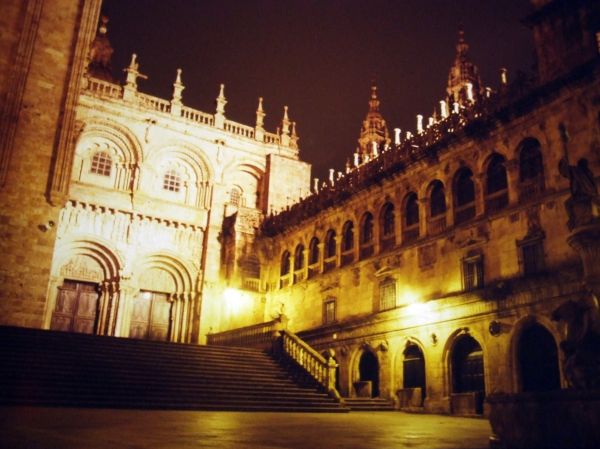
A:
x,y
413,369
538,360
468,382
150,316
368,368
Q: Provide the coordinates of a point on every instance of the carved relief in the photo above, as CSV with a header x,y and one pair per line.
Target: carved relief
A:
x,y
427,256
82,268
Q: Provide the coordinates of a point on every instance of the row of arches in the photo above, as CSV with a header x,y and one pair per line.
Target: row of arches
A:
x,y
93,290
391,224
535,357
110,156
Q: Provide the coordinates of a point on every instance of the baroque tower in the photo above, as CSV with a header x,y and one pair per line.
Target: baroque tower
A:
x,y
374,135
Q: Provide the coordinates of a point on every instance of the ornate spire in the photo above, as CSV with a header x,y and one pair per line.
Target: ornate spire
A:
x,y
101,53
221,101
260,114
374,128
463,79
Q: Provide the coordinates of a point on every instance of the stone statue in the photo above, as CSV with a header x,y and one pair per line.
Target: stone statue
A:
x,y
582,345
583,206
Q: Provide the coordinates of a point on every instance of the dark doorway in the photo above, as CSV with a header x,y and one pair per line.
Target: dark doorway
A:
x,y
368,368
538,360
467,369
76,307
150,316
414,368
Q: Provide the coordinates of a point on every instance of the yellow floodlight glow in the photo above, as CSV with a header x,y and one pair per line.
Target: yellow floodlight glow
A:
x,y
235,300
410,297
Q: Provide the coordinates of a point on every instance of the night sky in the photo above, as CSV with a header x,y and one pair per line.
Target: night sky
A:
x,y
316,56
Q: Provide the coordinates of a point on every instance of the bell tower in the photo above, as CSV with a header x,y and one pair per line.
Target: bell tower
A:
x,y
374,134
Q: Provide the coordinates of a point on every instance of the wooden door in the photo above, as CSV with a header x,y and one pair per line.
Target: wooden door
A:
x,y
76,307
150,316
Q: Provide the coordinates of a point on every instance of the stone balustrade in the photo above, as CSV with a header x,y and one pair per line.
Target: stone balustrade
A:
x,y
256,336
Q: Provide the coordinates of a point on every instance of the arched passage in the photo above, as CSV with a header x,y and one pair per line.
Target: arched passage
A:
x,y
468,381
413,369
368,368
537,360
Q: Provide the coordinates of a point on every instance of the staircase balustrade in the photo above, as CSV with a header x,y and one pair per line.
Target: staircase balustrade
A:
x,y
320,369
256,336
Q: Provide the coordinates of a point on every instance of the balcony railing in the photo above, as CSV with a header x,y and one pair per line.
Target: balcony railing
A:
x,y
329,264
285,280
410,233
531,189
436,225
252,284
464,213
299,275
367,250
313,270
496,201
347,257
387,242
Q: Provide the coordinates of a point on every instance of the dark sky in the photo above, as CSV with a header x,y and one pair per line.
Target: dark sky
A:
x,y
316,56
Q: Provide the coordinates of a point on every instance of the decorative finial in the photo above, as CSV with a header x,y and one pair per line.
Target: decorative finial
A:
x,y
285,123
260,114
220,111
102,29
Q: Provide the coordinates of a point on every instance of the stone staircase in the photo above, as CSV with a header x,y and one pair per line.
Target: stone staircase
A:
x,y
369,404
76,370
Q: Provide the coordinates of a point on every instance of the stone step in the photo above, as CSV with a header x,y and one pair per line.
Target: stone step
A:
x,y
67,369
369,404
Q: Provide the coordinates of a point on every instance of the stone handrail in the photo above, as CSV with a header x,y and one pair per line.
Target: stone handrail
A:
x,y
104,88
239,129
271,138
256,336
320,369
197,116
150,102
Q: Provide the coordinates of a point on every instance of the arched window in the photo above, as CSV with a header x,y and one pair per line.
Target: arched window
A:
x,y
330,251
347,243
285,263
172,181
411,210
235,196
530,160
348,236
387,226
101,163
313,251
299,273
464,196
437,199
330,244
299,257
366,234
531,169
411,218
496,185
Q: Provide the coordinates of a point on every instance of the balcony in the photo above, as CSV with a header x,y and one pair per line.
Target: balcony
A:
x,y
410,233
347,257
436,225
464,213
387,242
496,201
367,250
329,264
531,189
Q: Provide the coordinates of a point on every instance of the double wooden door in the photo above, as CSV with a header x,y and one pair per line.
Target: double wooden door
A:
x,y
150,316
76,307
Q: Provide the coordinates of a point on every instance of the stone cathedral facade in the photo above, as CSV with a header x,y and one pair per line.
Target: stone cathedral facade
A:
x,y
428,269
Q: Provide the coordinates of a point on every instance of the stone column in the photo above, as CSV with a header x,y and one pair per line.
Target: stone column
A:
x,y
321,247
512,178
423,207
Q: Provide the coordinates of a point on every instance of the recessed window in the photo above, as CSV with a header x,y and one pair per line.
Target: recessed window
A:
x,y
235,197
101,163
172,181
329,311
532,256
387,294
472,268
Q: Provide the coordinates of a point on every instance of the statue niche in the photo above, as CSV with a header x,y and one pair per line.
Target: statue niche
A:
x,y
583,206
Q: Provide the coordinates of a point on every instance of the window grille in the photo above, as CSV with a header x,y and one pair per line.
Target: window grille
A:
x,y
387,294
172,181
101,163
329,311
473,273
532,254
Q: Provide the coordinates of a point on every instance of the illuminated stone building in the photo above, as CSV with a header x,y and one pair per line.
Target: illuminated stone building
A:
x,y
134,240
431,268
428,270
